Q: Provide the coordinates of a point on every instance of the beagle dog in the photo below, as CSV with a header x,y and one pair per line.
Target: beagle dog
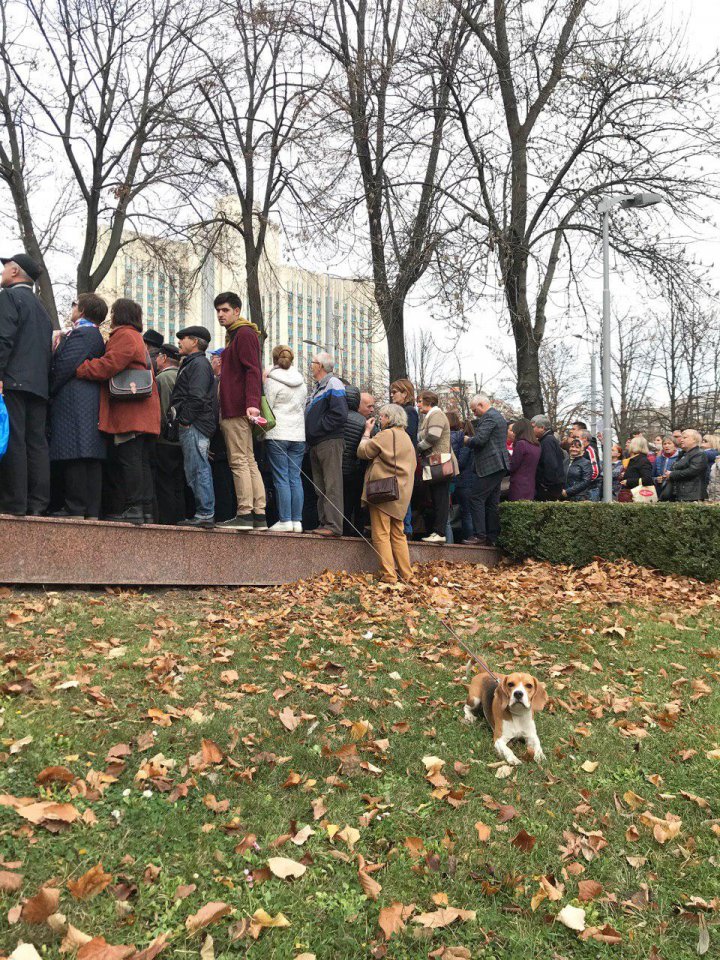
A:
x,y
509,705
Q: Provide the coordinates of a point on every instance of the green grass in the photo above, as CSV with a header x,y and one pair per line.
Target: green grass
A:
x,y
340,650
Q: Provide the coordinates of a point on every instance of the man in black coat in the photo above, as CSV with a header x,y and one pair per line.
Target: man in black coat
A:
x,y
550,475
688,475
492,462
193,401
25,355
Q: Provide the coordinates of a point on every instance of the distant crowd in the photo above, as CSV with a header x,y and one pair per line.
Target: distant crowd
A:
x,y
136,430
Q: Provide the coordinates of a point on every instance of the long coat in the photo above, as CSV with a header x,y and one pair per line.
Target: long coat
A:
x,y
125,350
75,404
523,467
687,477
379,450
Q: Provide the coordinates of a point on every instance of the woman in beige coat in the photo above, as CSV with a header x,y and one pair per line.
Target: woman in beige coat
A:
x,y
391,453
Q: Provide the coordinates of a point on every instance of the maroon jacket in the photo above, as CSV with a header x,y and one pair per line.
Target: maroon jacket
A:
x,y
124,350
241,378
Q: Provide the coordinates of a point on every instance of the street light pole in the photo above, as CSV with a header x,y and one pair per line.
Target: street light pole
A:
x,y
605,206
593,393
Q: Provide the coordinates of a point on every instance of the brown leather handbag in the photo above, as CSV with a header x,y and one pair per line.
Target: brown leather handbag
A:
x,y
438,467
386,490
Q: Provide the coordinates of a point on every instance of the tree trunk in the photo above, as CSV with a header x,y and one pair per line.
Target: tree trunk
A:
x,y
252,277
528,376
393,321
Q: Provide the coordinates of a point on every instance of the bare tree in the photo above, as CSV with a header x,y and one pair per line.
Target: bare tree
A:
x,y
561,382
426,363
251,127
391,99
18,167
100,87
633,363
576,104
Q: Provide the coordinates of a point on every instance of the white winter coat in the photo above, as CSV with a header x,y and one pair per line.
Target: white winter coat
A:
x,y
286,393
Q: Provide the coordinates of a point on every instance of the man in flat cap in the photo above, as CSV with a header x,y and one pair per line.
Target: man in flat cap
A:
x,y
193,400
153,341
25,356
167,464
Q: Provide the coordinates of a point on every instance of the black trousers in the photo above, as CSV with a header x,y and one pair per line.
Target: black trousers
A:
x,y
352,508
133,458
549,494
224,487
25,468
169,478
440,493
485,505
83,487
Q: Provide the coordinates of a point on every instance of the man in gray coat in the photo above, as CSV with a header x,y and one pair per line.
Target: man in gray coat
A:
x,y
492,463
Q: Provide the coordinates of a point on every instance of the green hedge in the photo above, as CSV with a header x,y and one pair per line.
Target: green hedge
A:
x,y
672,537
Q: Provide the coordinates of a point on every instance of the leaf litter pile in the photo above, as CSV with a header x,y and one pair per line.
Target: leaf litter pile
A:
x,y
284,772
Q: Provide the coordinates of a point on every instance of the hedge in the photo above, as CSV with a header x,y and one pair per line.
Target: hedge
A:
x,y
672,537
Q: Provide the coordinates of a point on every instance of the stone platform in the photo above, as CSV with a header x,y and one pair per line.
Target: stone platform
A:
x,y
44,550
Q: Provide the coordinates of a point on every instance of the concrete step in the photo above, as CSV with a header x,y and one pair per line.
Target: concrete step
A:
x,y
49,550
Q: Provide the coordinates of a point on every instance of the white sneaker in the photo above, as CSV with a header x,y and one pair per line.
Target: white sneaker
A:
x,y
433,538
297,526
282,526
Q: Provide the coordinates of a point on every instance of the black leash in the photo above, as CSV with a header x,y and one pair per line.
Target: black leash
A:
x,y
450,629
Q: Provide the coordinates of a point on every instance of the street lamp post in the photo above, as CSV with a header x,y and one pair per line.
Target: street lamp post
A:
x,y
607,204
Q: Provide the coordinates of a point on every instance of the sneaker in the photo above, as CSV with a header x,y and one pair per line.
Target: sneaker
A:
x,y
433,538
205,523
297,526
282,526
259,521
240,522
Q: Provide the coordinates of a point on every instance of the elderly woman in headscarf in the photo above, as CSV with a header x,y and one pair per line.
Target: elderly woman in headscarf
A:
x,y
391,454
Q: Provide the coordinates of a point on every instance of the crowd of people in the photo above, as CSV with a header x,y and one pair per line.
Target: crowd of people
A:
x,y
129,428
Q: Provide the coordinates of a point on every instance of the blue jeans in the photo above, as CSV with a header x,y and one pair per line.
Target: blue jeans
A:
x,y
286,457
195,446
461,497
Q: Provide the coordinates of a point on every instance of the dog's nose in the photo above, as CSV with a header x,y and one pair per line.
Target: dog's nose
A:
x,y
518,694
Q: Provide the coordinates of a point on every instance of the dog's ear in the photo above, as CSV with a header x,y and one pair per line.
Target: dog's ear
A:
x,y
539,697
502,693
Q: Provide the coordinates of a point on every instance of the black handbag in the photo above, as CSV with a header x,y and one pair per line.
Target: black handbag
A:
x,y
133,384
386,490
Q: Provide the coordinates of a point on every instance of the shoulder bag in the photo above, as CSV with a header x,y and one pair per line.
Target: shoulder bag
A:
x,y
642,494
133,384
438,467
386,490
265,409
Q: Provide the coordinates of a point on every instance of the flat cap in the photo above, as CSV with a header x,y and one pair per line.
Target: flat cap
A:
x,y
170,350
200,333
26,264
153,338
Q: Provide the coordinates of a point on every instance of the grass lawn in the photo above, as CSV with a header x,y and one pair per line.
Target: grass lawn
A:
x,y
200,740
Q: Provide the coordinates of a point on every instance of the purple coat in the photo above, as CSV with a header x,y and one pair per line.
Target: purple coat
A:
x,y
523,465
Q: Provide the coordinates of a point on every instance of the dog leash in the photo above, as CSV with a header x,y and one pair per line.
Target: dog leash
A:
x,y
450,629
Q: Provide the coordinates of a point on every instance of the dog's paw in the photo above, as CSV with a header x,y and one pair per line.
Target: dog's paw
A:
x,y
469,715
513,760
539,757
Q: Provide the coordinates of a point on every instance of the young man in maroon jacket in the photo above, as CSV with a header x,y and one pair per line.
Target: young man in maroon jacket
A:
x,y
240,391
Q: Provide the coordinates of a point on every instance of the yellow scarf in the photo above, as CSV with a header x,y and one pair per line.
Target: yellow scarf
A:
x,y
241,322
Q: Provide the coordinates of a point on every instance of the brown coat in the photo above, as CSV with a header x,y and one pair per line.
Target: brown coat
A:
x,y
379,449
124,350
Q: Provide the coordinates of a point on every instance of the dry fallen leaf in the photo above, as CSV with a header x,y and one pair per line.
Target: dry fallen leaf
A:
x,y
9,881
589,890
483,831
206,915
524,841
392,919
443,917
99,949
284,867
590,766
24,951
38,908
572,917
262,920
90,884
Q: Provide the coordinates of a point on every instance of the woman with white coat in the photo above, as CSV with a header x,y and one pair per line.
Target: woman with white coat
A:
x,y
286,393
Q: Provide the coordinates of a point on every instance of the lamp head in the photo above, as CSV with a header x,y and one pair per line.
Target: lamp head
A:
x,y
642,200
